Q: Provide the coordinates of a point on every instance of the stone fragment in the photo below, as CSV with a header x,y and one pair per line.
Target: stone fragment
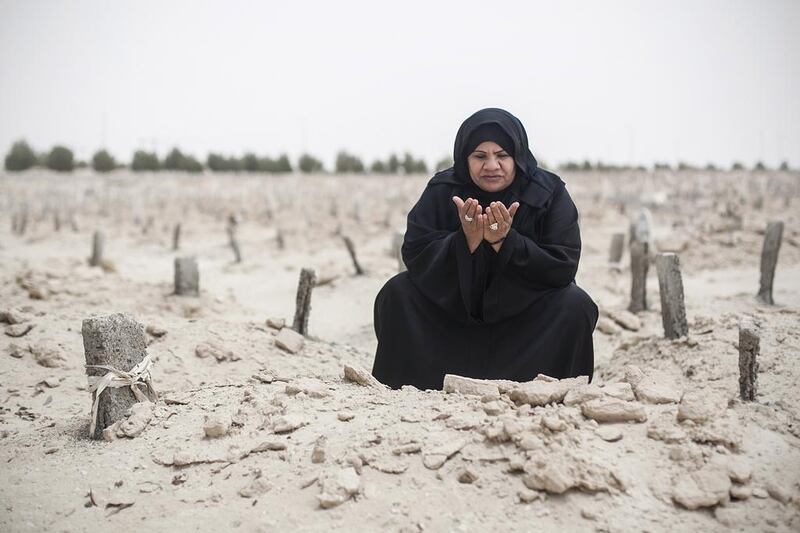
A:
x,y
345,416
494,408
16,351
540,392
699,406
621,391
467,475
760,493
257,486
338,487
665,429
607,326
778,491
608,433
289,340
318,453
633,375
440,447
741,492
358,375
470,386
269,445
528,496
412,447
389,465
648,391
706,487
276,323
217,425
136,419
529,441
583,393
47,355
613,410
288,423
155,331
18,330
12,316
624,318
739,470
214,350
553,423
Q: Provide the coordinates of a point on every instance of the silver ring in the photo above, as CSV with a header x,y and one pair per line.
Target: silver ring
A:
x,y
468,218
494,226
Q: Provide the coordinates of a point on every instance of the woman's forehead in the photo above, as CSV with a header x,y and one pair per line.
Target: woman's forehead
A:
x,y
489,146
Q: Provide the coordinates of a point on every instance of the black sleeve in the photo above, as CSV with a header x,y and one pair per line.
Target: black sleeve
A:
x,y
436,254
528,263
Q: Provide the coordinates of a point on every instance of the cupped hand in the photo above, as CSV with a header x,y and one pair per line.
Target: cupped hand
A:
x,y
497,221
472,221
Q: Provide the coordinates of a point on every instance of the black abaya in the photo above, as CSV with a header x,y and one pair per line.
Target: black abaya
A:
x,y
510,314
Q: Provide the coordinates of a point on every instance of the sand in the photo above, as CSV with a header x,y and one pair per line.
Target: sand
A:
x,y
263,439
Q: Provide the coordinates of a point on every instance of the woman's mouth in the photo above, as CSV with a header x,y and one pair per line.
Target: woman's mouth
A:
x,y
493,177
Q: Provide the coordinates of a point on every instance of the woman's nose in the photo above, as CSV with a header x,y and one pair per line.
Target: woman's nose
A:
x,y
492,163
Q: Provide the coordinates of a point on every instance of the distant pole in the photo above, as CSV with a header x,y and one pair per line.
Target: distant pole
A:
x,y
305,285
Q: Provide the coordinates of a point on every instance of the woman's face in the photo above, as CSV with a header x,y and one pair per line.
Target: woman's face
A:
x,y
490,167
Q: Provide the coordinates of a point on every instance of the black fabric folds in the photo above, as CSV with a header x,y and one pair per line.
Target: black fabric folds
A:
x,y
509,314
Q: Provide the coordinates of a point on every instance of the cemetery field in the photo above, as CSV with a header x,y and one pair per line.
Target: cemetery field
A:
x,y
258,428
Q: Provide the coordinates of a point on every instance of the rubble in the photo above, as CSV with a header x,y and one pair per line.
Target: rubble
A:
x,y
613,410
706,487
289,340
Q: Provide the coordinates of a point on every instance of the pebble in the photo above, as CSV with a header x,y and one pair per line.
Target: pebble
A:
x,y
318,453
467,475
217,426
287,423
345,416
276,323
608,433
289,340
613,410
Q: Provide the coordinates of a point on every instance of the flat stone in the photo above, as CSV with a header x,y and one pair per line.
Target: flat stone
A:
x,y
217,425
288,423
778,492
648,391
467,475
540,392
528,496
583,393
276,323
358,375
739,470
269,445
389,465
338,487
412,447
136,420
613,410
608,433
706,487
699,406
741,492
213,350
18,330
469,386
289,340
624,318
607,326
621,391
345,416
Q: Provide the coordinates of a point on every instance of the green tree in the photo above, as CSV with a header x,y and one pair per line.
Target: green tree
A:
x,y
102,161
737,166
348,163
784,166
760,166
145,161
308,163
393,166
378,167
61,159
20,157
282,164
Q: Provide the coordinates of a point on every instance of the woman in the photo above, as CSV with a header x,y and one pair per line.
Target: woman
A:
x,y
492,247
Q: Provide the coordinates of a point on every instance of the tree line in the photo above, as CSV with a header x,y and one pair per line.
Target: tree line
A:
x,y
60,158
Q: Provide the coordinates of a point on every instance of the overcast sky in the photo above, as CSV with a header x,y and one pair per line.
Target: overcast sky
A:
x,y
624,81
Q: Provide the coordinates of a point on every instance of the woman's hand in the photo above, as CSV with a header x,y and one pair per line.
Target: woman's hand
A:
x,y
497,223
472,221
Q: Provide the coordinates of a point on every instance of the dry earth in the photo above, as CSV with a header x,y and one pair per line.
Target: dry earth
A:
x,y
253,437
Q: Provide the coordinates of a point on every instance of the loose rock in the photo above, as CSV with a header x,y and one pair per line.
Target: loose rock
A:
x,y
217,426
469,386
613,410
339,487
706,487
289,340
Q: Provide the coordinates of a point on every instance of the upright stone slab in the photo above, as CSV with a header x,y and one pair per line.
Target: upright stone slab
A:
x,y
749,347
639,266
187,276
769,260
643,227
98,243
234,243
617,246
176,236
670,285
351,249
305,285
118,341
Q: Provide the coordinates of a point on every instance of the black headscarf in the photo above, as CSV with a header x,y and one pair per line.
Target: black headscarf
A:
x,y
511,126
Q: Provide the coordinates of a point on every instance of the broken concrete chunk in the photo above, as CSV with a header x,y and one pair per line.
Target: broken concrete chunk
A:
x,y
624,318
18,330
269,445
345,416
706,487
540,392
613,410
318,453
582,394
467,475
276,323
214,350
338,487
217,425
469,386
256,487
358,375
648,391
289,340
621,391
287,423
699,406
136,420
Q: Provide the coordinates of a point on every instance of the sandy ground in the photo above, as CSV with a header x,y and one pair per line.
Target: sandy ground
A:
x,y
304,449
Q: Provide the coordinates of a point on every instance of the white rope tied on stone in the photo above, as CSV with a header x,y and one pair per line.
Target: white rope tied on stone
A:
x,y
117,379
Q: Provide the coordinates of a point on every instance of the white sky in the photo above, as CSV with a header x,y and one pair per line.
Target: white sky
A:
x,y
625,81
